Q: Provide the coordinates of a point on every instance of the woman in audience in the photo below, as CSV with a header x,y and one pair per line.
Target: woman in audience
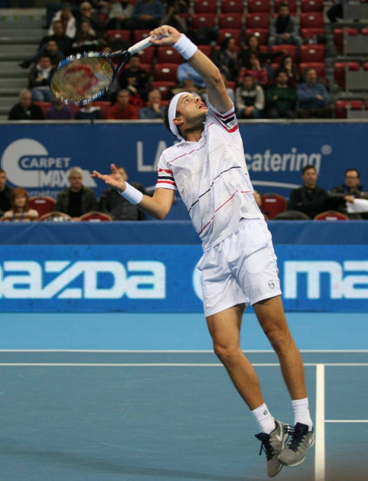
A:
x,y
253,47
86,39
226,58
287,64
20,211
255,69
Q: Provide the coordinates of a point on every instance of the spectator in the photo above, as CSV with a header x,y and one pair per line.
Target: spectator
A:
x,y
284,28
58,34
85,39
134,76
67,19
154,109
51,49
147,14
309,199
25,109
249,99
281,99
122,110
89,112
40,78
117,206
120,15
174,15
59,111
255,69
86,14
347,192
188,86
19,211
287,65
5,193
336,11
186,71
76,200
253,46
226,58
313,98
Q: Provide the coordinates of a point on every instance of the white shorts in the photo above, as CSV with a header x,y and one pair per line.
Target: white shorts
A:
x,y
240,269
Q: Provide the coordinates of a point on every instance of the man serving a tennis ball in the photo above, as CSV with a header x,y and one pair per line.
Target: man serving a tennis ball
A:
x,y
238,265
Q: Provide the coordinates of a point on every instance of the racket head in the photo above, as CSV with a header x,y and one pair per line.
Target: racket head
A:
x,y
83,78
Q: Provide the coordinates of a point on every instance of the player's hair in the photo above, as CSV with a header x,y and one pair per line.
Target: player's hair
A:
x,y
2,171
308,167
19,192
166,119
353,169
75,170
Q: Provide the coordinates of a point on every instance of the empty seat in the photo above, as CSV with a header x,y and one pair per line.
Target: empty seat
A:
x,y
312,53
331,215
257,20
273,204
95,216
139,35
206,49
312,5
232,6
261,33
312,33
203,20
230,20
168,55
229,32
311,20
43,205
165,72
255,6
164,87
147,55
339,71
205,6
342,107
338,36
118,35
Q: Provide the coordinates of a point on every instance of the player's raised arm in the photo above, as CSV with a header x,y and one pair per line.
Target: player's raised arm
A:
x,y
211,75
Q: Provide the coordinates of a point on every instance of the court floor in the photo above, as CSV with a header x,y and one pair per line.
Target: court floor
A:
x,y
80,413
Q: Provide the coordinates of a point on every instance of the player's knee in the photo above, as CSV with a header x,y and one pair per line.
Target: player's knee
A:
x,y
227,354
278,337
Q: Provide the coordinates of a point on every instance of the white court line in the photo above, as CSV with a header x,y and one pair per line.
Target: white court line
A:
x,y
176,351
320,462
346,420
157,364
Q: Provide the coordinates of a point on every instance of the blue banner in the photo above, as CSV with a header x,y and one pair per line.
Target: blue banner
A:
x,y
161,278
38,157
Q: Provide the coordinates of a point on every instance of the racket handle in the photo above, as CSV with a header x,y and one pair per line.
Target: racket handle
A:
x,y
139,46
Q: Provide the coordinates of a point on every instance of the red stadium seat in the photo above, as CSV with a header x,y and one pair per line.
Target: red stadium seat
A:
x,y
203,20
139,35
338,36
104,107
229,32
273,204
96,216
290,49
312,5
339,71
43,205
230,20
342,107
165,72
311,20
43,106
232,6
205,6
331,215
312,33
257,20
318,66
168,55
164,88
256,6
312,53
261,33
147,55
293,6
118,35
146,66
206,49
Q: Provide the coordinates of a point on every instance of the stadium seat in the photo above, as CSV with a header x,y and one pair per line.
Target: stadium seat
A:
x,y
164,87
312,33
206,49
257,20
312,6
43,106
232,6
331,215
257,6
342,107
165,72
293,6
290,49
311,20
203,20
43,205
95,216
338,36
318,66
118,35
261,33
168,55
205,6
273,204
339,71
147,55
312,53
230,20
229,32
55,216
139,35
104,107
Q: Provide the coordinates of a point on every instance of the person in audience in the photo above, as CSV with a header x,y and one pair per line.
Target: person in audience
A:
x,y
313,98
122,110
347,192
5,193
134,76
19,211
58,34
154,109
287,65
255,69
67,19
188,86
250,99
226,58
40,78
253,46
59,111
85,40
25,109
335,11
89,112
309,199
51,49
147,14
284,28
120,15
281,99
117,206
186,71
174,15
77,199
86,13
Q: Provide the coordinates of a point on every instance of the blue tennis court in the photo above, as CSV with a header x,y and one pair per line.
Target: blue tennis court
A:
x,y
134,397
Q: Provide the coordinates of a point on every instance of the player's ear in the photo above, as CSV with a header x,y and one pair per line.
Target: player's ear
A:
x,y
178,121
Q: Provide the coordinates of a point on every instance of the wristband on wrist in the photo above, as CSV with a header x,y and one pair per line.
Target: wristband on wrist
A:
x,y
133,195
185,47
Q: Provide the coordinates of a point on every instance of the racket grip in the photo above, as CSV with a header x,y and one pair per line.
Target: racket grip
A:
x,y
139,46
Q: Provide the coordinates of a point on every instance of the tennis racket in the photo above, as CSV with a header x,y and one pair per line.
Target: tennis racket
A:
x,y
83,78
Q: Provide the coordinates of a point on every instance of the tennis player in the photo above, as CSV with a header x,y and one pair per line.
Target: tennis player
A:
x,y
238,265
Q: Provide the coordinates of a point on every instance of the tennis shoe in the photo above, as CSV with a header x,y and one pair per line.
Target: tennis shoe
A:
x,y
272,445
296,449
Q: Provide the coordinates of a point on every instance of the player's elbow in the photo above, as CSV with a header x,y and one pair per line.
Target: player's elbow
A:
x,y
215,78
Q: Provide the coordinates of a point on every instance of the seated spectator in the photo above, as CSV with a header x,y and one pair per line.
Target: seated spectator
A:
x,y
287,65
76,200
67,19
186,71
19,211
284,28
147,14
85,39
86,13
347,192
122,110
134,76
255,69
51,49
281,99
58,34
59,111
174,15
250,99
5,193
253,46
40,78
336,11
25,109
226,58
154,109
120,14
313,98
89,112
309,199
117,206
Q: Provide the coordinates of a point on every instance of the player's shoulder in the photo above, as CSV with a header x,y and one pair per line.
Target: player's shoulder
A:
x,y
172,152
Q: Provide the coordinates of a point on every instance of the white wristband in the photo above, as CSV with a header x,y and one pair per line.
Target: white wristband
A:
x,y
133,195
185,47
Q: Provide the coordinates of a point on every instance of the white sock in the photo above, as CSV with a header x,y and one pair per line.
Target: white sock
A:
x,y
266,422
301,412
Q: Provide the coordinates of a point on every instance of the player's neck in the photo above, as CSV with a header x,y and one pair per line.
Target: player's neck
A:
x,y
194,135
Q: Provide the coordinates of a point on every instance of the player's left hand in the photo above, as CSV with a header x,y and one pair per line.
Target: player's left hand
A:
x,y
165,35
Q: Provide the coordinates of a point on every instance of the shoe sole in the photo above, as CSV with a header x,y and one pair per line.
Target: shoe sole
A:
x,y
299,462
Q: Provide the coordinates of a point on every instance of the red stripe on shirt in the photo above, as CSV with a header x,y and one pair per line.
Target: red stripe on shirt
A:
x,y
165,182
165,170
187,153
218,208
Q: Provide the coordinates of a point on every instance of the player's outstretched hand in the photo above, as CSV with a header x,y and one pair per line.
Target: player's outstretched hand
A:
x,y
115,179
165,35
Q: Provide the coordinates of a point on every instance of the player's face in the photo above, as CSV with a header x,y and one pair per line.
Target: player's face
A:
x,y
310,178
191,110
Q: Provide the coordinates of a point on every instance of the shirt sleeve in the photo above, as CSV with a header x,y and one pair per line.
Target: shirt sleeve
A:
x,y
165,178
228,120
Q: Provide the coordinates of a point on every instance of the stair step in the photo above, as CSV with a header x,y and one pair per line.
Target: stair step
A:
x,y
35,40
12,70
10,91
22,33
7,103
19,22
16,52
18,83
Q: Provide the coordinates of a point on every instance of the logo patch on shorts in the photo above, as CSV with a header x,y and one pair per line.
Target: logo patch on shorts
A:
x,y
271,285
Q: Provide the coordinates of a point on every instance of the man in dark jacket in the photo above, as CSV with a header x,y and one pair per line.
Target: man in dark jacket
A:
x,y
25,109
284,28
309,199
5,193
350,190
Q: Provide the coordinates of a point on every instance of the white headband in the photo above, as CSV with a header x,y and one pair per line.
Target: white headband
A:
x,y
172,114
